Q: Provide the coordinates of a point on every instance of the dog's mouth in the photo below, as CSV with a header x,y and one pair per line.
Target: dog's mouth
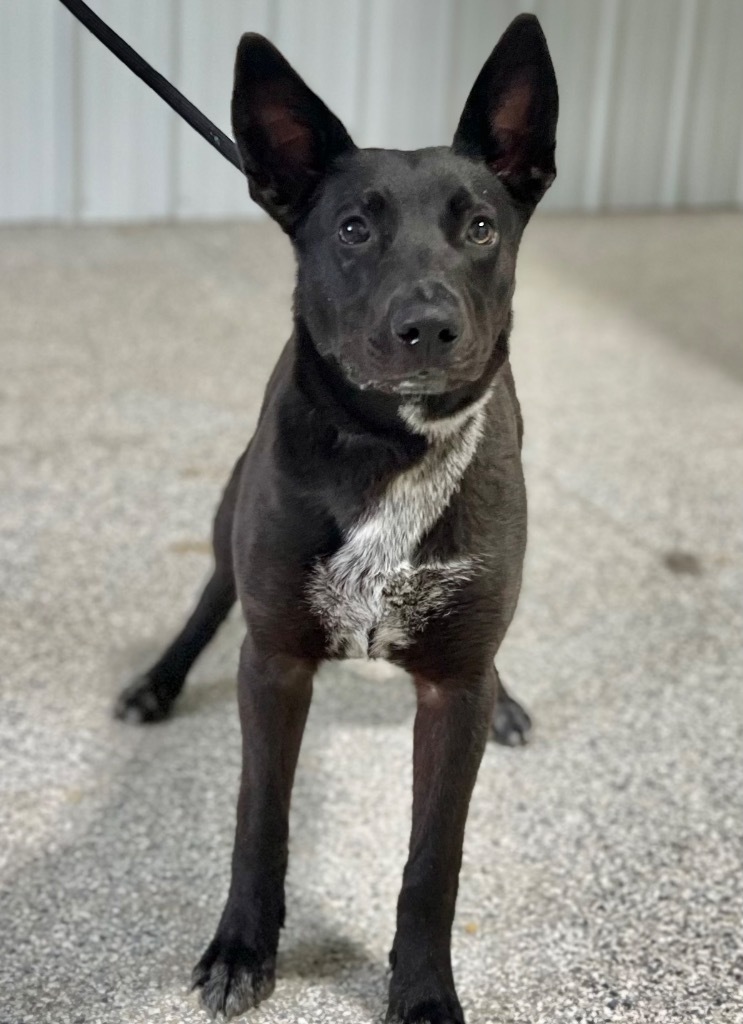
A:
x,y
422,382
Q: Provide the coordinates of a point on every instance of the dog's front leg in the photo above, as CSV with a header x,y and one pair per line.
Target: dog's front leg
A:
x,y
451,730
237,970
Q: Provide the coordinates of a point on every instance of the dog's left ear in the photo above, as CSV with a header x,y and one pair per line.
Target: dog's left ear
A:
x,y
286,136
510,117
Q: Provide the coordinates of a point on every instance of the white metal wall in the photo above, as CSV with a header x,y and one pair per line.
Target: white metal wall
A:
x,y
651,96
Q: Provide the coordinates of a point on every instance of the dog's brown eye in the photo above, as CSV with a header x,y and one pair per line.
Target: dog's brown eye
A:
x,y
354,231
481,231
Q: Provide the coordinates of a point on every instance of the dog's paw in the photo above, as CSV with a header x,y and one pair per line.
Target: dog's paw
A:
x,y
231,978
443,1009
142,702
422,998
511,724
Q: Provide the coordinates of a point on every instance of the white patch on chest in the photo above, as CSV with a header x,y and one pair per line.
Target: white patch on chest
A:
x,y
369,595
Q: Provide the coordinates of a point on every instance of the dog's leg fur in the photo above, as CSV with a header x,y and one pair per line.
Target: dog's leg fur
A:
x,y
150,697
237,970
511,723
451,730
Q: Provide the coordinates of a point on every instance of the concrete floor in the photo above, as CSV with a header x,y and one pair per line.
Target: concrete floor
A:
x,y
603,873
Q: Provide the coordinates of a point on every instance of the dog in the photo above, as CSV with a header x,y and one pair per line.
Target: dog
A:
x,y
379,509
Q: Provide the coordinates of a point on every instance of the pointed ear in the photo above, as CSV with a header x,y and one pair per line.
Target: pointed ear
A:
x,y
510,117
286,136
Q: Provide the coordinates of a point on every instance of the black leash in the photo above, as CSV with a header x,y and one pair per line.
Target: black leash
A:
x,y
175,99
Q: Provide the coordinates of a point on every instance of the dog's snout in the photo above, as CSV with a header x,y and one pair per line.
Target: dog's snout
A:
x,y
431,320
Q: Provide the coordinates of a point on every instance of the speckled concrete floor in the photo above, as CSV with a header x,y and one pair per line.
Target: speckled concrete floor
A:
x,y
603,874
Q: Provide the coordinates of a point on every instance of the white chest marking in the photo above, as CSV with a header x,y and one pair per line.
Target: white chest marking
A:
x,y
369,595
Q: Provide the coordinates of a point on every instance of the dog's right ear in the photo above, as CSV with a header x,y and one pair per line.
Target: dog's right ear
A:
x,y
286,136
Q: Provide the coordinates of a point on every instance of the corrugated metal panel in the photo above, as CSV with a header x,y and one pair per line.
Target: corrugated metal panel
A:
x,y
651,96
673,159
27,112
597,104
205,185
66,91
638,114
126,132
408,61
711,158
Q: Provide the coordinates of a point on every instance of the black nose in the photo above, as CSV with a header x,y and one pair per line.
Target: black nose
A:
x,y
430,325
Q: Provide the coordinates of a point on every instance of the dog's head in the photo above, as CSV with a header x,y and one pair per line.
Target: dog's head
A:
x,y
406,260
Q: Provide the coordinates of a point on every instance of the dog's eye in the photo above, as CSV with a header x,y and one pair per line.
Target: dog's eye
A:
x,y
481,231
354,231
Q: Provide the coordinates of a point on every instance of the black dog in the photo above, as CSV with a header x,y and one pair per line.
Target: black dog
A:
x,y
379,510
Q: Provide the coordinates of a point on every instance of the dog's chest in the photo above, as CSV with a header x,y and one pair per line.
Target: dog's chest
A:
x,y
369,607
372,595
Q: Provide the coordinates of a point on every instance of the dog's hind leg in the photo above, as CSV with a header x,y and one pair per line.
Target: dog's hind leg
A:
x,y
149,697
511,724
